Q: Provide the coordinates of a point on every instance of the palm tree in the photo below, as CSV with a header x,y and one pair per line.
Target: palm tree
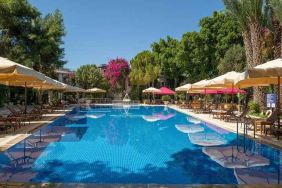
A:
x,y
276,18
249,16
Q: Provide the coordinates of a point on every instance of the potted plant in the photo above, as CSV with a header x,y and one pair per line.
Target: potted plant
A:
x,y
166,99
182,98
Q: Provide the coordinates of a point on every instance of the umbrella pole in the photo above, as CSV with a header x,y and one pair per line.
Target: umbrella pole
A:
x,y
232,93
278,101
205,98
25,98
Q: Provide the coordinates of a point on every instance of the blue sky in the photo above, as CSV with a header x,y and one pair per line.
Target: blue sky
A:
x,y
99,30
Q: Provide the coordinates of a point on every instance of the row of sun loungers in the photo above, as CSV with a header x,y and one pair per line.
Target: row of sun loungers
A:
x,y
13,117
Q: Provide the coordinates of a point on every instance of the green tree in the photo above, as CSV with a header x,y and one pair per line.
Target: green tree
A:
x,y
16,19
46,43
166,55
201,52
144,70
30,39
89,76
233,60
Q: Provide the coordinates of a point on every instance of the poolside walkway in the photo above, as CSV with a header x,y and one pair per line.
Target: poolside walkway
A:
x,y
10,139
231,126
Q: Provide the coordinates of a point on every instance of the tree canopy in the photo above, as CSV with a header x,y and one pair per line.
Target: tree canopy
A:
x,y
29,38
233,60
144,70
89,76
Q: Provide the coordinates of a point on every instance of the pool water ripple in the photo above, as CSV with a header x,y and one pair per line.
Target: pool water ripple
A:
x,y
148,145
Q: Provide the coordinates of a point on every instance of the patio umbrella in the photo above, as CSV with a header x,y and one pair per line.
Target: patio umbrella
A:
x,y
201,85
165,91
186,87
151,90
226,80
263,75
210,91
14,74
96,90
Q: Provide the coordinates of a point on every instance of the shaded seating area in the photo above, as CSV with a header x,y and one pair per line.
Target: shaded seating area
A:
x,y
14,116
207,96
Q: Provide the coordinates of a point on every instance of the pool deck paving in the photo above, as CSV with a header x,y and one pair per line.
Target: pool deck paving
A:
x,y
10,139
232,127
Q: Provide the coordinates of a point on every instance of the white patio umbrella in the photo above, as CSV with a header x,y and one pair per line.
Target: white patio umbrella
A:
x,y
227,80
185,87
263,75
151,90
96,90
200,85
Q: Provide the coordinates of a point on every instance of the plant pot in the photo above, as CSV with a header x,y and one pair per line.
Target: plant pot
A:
x,y
166,102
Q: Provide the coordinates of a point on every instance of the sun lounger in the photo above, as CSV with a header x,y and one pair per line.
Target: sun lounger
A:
x,y
207,109
7,123
18,114
185,106
34,113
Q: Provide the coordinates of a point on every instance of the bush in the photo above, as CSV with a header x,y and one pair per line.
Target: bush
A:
x,y
182,97
254,107
166,98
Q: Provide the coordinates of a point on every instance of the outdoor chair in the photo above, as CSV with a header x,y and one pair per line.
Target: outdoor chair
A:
x,y
196,106
261,124
275,130
218,113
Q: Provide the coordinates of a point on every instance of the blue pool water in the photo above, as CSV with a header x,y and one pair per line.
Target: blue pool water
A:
x,y
144,145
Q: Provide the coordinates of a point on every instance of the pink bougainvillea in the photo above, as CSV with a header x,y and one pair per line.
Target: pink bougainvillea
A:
x,y
117,72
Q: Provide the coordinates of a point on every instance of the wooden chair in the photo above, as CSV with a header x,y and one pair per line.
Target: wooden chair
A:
x,y
261,124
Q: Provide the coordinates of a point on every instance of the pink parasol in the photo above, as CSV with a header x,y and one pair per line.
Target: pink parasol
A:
x,y
210,91
223,91
165,91
232,91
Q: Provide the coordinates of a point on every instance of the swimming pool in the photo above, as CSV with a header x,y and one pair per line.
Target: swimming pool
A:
x,y
141,145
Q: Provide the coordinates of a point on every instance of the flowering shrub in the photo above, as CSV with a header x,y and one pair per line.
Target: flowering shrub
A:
x,y
117,72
